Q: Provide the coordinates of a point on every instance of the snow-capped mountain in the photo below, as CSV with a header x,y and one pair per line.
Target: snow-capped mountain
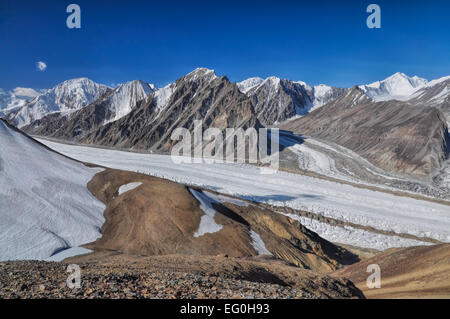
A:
x,y
414,90
122,100
110,107
161,96
277,100
45,203
322,94
398,86
203,74
434,92
16,98
200,94
137,115
149,124
66,97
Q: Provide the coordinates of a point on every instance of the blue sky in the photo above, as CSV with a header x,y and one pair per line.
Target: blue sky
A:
x,y
313,41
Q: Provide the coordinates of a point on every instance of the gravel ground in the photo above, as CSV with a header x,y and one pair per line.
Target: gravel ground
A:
x,y
36,279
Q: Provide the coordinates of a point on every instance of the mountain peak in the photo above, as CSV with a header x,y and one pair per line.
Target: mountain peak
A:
x,y
397,75
202,73
415,81
146,87
202,70
272,79
398,86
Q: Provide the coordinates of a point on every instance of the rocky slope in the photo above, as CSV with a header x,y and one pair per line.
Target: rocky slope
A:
x,y
115,275
414,272
277,100
435,94
161,217
395,136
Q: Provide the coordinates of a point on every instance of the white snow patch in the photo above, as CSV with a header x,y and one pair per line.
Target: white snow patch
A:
x,y
128,187
207,223
258,244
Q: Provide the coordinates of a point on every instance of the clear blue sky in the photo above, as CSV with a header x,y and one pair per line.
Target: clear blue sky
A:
x,y
313,41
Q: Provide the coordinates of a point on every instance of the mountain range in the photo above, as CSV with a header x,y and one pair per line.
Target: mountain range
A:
x,y
399,124
393,135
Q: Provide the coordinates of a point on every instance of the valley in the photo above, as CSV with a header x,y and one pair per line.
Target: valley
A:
x,y
407,215
362,172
